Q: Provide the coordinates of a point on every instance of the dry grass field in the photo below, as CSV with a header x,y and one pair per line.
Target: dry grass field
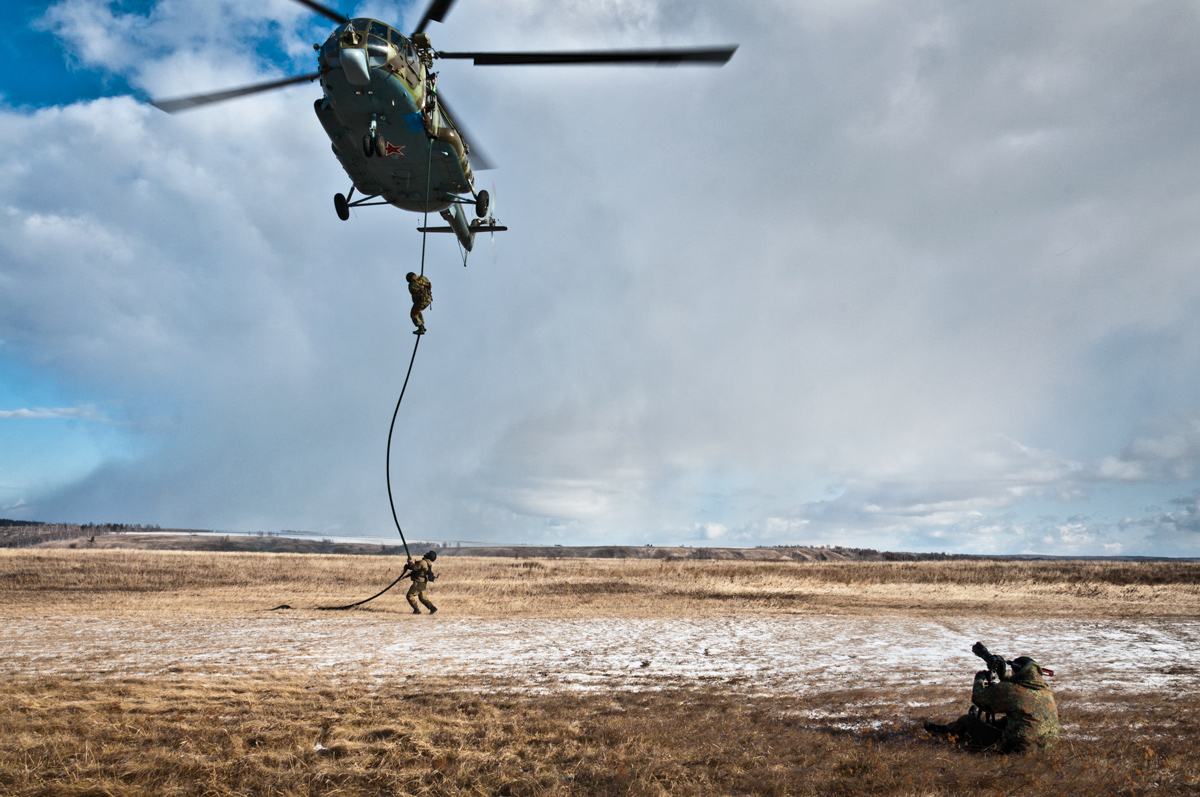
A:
x,y
133,672
294,736
155,582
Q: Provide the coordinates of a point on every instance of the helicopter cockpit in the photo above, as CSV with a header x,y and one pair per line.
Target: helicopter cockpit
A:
x,y
371,44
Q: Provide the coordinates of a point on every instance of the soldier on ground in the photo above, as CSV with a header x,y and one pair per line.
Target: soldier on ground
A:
x,y
421,573
422,296
1030,720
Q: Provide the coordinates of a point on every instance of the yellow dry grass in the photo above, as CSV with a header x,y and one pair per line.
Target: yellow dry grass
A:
x,y
294,733
297,735
132,582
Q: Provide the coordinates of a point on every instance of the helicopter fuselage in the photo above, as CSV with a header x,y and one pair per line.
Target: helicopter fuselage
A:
x,y
387,129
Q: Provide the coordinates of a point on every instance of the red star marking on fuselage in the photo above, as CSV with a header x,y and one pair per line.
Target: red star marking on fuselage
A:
x,y
393,149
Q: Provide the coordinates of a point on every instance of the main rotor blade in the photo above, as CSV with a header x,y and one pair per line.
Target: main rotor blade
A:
x,y
196,100
480,162
324,11
713,56
437,9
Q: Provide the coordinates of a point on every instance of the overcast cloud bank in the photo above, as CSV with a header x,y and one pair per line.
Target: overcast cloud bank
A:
x,y
899,276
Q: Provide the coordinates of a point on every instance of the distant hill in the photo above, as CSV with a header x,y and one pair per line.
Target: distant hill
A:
x,y
26,534
29,534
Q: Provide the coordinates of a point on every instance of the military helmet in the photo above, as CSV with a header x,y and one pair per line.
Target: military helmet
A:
x,y
431,555
410,276
1023,661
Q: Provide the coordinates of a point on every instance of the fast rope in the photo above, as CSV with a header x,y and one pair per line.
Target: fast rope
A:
x,y
392,428
425,223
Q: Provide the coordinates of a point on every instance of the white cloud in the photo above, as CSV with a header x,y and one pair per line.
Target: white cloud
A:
x,y
77,413
1173,453
1114,469
566,499
880,247
179,47
1181,522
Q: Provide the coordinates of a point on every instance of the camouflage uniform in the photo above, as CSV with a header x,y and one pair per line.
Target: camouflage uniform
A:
x,y
422,295
1030,719
421,573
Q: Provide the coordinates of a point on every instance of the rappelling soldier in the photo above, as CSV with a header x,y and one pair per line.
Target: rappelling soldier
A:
x,y
1030,720
421,573
422,296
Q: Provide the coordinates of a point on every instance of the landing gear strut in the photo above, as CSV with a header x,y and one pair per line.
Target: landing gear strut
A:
x,y
342,204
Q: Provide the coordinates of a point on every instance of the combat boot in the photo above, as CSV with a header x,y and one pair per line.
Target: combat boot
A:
x,y
433,610
416,611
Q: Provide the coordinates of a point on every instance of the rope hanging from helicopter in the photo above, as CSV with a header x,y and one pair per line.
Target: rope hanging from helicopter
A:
x,y
396,412
351,52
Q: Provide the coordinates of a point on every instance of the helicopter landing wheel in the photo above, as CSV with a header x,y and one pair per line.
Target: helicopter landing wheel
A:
x,y
378,145
481,204
342,206
368,145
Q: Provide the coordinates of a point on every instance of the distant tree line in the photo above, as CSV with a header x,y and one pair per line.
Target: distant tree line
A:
x,y
24,533
14,536
872,555
91,528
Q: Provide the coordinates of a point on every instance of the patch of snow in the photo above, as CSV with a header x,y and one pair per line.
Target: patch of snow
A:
x,y
756,655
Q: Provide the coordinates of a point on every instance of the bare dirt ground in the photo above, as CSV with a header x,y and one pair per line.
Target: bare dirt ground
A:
x,y
144,672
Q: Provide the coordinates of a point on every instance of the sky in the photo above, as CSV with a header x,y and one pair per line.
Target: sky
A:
x,y
910,276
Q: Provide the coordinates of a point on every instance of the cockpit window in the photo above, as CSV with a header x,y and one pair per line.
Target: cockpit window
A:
x,y
360,24
330,52
377,50
379,29
406,49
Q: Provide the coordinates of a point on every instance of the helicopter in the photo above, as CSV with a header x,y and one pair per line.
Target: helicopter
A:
x,y
391,128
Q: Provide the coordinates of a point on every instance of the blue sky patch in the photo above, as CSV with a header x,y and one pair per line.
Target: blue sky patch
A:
x,y
37,71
